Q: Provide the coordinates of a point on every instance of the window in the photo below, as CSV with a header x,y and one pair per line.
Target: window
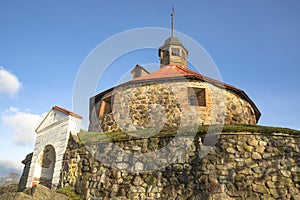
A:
x,y
106,106
183,54
175,51
165,53
252,117
196,96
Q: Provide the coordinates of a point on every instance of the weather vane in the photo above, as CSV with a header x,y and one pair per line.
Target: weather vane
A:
x,y
172,14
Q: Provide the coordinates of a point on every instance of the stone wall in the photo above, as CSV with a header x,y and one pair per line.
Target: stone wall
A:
x,y
24,176
165,103
240,166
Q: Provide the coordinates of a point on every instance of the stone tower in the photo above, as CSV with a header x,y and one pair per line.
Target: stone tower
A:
x,y
173,51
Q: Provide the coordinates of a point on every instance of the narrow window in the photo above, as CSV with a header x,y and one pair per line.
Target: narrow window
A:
x,y
106,106
251,116
183,54
196,96
175,51
165,53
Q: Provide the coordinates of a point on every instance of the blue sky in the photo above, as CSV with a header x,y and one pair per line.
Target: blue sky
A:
x,y
255,44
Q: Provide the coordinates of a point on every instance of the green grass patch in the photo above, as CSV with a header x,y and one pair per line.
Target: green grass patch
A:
x,y
258,129
96,137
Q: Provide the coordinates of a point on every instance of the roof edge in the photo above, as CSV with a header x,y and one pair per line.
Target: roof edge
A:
x,y
229,87
59,109
67,112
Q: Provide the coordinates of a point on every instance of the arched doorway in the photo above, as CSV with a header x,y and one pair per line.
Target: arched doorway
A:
x,y
47,163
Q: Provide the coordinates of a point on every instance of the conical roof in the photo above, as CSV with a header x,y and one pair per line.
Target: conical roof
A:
x,y
173,41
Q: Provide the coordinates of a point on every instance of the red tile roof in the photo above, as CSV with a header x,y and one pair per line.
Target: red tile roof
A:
x,y
62,110
67,112
171,71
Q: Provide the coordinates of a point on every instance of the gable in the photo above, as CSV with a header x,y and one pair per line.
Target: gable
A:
x,y
53,116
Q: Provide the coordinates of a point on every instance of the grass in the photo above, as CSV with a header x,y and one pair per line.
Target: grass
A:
x,y
96,137
258,129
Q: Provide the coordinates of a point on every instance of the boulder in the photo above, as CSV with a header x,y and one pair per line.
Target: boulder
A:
x,y
36,192
8,188
42,192
15,196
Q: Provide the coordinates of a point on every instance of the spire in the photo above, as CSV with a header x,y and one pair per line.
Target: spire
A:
x,y
173,51
172,14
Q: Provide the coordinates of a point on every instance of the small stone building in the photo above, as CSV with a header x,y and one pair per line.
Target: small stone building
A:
x,y
44,165
174,95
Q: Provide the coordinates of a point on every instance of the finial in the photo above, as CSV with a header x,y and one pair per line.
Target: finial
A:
x,y
172,14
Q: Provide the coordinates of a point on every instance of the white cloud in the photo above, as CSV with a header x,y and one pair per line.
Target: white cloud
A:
x,y
9,83
11,164
8,166
21,125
